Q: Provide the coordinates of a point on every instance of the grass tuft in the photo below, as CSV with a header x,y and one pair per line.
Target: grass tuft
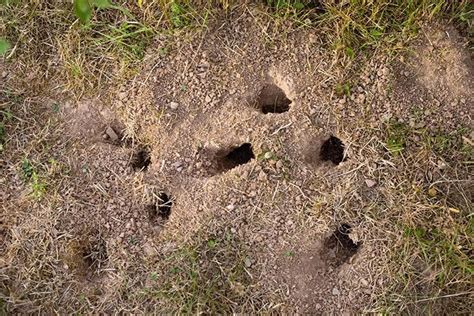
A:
x,y
116,36
208,276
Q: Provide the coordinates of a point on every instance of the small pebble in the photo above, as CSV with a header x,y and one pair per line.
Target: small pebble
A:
x,y
248,262
111,134
370,183
174,105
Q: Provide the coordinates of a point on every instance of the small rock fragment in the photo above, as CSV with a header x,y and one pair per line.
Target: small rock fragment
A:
x,y
177,164
370,183
248,262
174,105
111,134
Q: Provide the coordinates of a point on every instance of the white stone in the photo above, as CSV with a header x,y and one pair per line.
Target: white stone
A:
x,y
174,105
370,183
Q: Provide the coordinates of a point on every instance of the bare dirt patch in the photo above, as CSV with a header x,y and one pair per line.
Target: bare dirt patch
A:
x,y
320,276
265,235
442,61
434,81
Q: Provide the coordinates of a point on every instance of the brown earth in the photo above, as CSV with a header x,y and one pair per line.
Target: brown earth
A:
x,y
286,199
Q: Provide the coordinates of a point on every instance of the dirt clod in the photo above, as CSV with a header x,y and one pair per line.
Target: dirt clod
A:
x,y
332,150
111,134
272,99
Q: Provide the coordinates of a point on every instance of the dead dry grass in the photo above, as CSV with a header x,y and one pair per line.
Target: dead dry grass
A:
x,y
420,219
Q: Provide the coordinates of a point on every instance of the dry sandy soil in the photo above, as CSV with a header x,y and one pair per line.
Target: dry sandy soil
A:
x,y
230,175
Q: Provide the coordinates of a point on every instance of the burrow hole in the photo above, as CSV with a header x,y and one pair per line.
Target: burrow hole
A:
x,y
332,150
339,246
160,211
94,254
236,156
141,159
272,99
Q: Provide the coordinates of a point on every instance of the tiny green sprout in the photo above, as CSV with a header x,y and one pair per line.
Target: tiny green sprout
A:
x,y
55,107
4,46
376,33
343,89
211,243
174,270
284,4
298,5
83,8
163,51
350,53
396,138
394,146
289,253
177,12
38,186
154,276
132,240
27,169
6,114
